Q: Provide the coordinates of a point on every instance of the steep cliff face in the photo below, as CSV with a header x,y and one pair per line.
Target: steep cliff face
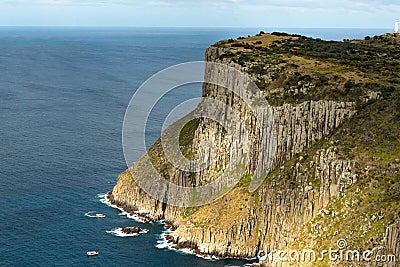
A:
x,y
273,216
324,181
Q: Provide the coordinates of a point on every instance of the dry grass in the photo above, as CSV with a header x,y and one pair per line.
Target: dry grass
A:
x,y
226,211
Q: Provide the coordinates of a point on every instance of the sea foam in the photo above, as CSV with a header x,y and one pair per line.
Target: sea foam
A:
x,y
89,214
163,243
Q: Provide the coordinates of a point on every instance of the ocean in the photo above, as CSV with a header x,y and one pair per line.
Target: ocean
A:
x,y
63,95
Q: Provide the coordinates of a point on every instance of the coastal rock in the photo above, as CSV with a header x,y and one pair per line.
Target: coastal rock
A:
x,y
131,230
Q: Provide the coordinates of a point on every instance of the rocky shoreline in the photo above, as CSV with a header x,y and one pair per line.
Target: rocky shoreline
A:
x,y
169,238
131,230
144,217
133,211
193,248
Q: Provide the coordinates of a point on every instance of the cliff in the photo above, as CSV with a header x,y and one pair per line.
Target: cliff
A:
x,y
328,140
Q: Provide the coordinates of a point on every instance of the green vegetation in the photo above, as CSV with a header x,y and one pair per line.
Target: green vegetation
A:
x,y
159,161
188,212
294,68
246,180
186,138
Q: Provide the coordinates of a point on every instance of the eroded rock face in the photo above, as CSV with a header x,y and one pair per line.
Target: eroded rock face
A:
x,y
282,206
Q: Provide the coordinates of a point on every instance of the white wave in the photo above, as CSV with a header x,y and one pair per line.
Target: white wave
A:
x,y
101,195
118,232
163,243
134,217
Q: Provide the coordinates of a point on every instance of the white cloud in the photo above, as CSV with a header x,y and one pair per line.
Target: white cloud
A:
x,y
237,13
331,4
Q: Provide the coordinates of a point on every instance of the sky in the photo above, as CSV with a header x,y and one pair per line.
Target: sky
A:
x,y
201,13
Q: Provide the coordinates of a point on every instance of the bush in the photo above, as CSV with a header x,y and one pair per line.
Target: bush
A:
x,y
237,45
349,84
280,34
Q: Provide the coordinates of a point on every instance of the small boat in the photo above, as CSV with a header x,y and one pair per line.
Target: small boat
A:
x,y
92,253
100,215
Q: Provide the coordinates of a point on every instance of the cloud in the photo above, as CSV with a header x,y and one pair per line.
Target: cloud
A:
x,y
265,3
237,13
312,4
355,5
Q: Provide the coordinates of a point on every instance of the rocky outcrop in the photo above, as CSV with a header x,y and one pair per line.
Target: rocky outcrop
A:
x,y
131,230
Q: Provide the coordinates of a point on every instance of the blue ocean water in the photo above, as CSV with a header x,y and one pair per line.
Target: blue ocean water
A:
x,y
63,94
